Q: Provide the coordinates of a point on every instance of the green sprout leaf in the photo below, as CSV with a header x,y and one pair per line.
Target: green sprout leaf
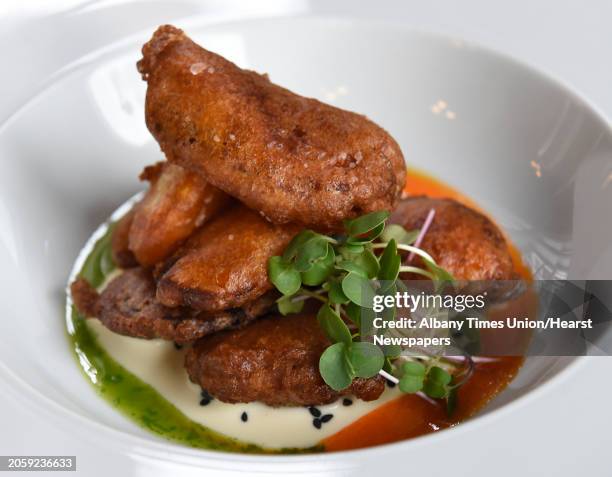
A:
x,y
413,378
367,359
390,263
436,383
284,276
368,236
349,266
389,312
392,350
321,269
439,375
333,326
414,368
334,369
362,317
286,305
348,250
388,366
296,243
350,275
399,234
353,311
358,289
365,223
336,295
410,384
368,262
451,401
313,249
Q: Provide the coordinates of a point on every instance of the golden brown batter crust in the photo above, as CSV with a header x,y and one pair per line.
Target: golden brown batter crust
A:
x,y
177,202
461,240
274,360
292,158
122,255
128,306
224,264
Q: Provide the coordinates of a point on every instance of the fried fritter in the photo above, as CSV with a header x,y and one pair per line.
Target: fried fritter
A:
x,y
177,202
461,240
292,158
85,297
122,255
224,264
274,360
128,306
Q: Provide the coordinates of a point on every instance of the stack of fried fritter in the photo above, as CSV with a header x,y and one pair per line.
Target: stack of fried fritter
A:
x,y
249,165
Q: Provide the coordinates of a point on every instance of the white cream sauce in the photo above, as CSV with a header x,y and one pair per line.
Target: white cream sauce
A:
x,y
160,364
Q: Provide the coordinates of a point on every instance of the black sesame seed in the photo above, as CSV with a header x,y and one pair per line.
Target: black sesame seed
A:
x,y
391,384
346,402
206,398
326,418
177,346
314,411
244,417
317,423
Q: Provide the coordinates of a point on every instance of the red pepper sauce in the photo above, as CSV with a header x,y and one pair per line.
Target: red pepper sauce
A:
x,y
411,415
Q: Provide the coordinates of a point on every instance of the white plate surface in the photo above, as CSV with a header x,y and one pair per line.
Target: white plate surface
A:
x,y
530,152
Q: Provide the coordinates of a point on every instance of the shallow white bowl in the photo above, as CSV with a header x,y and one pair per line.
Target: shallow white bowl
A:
x,y
524,147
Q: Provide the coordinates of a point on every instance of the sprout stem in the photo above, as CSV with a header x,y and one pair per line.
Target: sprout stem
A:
x,y
388,376
407,248
417,270
306,294
423,231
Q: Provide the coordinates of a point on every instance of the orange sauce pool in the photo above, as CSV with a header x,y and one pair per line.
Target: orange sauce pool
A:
x,y
411,415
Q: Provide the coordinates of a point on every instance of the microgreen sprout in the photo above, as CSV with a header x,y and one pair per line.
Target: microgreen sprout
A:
x,y
344,273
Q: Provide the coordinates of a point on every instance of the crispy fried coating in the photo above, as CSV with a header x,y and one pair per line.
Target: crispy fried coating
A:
x,y
128,306
461,240
122,255
274,360
292,158
224,264
85,297
177,202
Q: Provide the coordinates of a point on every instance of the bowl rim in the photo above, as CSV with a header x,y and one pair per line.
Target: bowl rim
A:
x,y
24,393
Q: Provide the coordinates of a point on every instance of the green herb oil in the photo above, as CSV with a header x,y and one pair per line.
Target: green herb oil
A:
x,y
129,394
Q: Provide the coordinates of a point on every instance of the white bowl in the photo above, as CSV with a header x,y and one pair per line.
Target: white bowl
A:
x,y
529,151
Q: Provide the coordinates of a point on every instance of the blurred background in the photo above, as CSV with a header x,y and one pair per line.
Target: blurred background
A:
x,y
569,39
